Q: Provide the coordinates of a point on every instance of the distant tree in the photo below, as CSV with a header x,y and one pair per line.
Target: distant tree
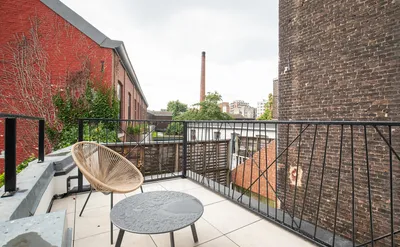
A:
x,y
267,115
206,110
176,108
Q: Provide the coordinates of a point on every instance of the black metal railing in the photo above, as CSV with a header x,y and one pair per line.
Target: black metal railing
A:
x,y
154,149
333,183
11,139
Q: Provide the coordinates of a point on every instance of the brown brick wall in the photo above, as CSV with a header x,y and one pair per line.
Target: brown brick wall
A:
x,y
275,104
344,59
340,60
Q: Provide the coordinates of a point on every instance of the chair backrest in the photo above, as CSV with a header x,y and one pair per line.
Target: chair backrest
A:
x,y
105,169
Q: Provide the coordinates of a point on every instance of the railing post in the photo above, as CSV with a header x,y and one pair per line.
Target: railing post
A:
x,y
10,171
184,150
41,141
80,138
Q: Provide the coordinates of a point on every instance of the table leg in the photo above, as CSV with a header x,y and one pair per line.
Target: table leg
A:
x,y
171,235
119,239
111,224
194,233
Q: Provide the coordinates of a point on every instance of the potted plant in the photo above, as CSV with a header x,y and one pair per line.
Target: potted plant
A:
x,y
136,132
133,133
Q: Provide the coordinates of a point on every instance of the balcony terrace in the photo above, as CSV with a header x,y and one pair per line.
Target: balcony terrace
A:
x,y
261,182
223,223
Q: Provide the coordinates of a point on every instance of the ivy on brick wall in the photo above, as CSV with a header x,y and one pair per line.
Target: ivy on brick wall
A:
x,y
96,101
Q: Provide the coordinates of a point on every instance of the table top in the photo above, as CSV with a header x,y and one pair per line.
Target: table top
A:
x,y
156,212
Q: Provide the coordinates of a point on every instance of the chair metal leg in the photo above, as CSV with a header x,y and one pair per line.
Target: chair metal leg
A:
x,y
111,224
119,239
194,233
171,236
84,205
141,189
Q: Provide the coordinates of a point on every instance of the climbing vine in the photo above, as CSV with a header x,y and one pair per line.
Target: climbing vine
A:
x,y
26,83
94,101
28,88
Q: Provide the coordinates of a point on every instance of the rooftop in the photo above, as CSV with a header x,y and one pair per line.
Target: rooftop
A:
x,y
160,113
223,223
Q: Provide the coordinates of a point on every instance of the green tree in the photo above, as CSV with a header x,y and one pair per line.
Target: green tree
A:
x,y
206,110
267,115
176,108
95,102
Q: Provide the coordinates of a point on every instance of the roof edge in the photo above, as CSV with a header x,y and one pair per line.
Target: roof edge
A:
x,y
123,54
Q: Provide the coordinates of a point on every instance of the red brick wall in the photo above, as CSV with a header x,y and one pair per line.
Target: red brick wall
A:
x,y
121,76
249,171
62,49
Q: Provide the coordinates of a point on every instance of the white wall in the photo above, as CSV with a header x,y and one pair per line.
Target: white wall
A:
x,y
204,134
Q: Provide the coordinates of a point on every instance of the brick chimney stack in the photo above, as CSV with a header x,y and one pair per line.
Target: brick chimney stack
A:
x,y
203,77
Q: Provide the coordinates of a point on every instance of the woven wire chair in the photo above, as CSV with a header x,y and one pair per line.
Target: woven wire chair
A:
x,y
106,170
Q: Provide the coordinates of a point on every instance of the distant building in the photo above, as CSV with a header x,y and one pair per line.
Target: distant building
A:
x,y
243,108
261,107
240,117
158,117
224,106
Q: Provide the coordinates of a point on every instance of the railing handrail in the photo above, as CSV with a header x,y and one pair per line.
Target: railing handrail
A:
x,y
336,122
128,120
10,149
328,159
7,115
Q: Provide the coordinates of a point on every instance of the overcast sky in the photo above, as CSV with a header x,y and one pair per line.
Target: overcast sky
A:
x,y
165,38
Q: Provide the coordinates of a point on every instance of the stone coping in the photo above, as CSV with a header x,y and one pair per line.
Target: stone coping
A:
x,y
45,230
32,182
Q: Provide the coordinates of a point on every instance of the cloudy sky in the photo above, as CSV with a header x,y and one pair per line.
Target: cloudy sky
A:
x,y
165,38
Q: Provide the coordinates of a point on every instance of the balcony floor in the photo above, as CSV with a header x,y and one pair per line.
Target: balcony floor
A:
x,y
222,224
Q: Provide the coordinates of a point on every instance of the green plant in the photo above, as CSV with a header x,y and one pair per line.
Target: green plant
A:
x,y
94,102
137,129
176,108
207,110
267,115
98,132
174,128
19,168
133,130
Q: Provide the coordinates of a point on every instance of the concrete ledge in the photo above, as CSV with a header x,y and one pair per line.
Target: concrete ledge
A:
x,y
32,183
46,230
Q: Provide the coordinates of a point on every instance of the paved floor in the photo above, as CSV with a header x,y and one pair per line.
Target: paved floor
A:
x,y
222,224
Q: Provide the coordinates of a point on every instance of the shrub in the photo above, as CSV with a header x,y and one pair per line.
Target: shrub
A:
x,y
175,128
137,129
95,102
